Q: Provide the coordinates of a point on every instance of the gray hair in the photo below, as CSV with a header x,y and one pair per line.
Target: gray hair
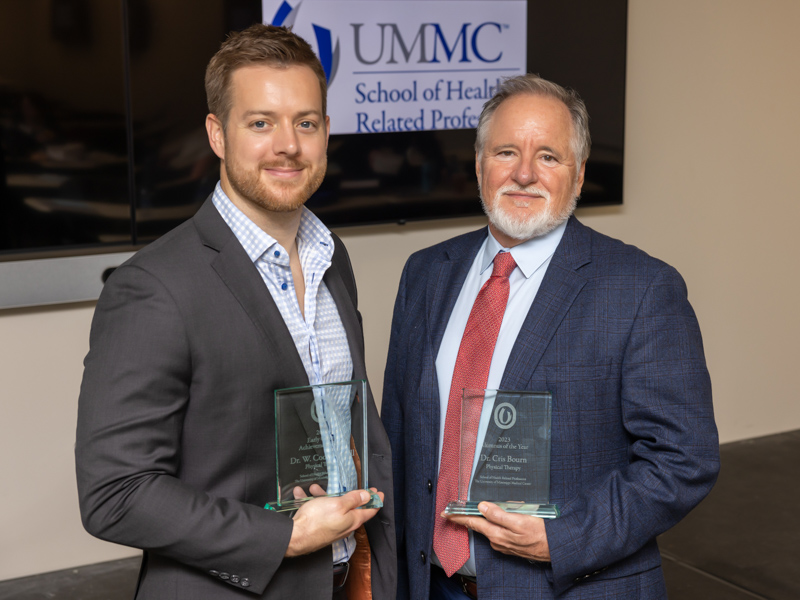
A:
x,y
535,85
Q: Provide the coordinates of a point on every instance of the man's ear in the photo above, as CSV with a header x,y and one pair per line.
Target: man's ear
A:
x,y
579,182
216,135
327,130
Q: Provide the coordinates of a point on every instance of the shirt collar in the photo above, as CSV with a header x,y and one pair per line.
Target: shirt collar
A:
x,y
311,235
529,255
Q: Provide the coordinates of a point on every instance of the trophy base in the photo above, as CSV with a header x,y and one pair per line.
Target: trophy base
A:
x,y
470,509
287,505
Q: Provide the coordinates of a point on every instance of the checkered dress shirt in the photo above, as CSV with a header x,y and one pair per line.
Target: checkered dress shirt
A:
x,y
320,337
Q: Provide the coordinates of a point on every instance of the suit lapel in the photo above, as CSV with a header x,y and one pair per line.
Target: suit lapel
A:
x,y
560,287
241,277
446,279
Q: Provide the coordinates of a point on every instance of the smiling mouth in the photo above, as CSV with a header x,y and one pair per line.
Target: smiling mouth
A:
x,y
523,197
283,173
521,200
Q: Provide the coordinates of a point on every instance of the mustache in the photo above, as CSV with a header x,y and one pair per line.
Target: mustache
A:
x,y
288,163
530,189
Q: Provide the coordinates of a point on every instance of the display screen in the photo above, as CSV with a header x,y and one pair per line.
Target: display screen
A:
x,y
102,109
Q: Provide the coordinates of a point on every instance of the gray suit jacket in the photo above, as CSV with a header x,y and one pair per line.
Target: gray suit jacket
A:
x,y
175,447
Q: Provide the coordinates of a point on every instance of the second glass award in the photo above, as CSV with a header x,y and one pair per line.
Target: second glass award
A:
x,y
321,438
509,464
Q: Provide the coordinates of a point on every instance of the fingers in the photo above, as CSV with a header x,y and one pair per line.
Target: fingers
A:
x,y
495,514
474,523
355,499
322,521
516,523
352,500
316,490
509,533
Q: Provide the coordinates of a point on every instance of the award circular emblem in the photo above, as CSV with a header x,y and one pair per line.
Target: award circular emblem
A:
x,y
314,414
505,416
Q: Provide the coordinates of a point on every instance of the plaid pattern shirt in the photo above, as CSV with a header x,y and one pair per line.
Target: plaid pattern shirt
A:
x,y
319,337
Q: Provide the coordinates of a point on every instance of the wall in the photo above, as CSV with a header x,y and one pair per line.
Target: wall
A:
x,y
710,187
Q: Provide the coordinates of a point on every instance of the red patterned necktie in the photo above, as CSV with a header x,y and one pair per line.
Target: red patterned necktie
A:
x,y
451,541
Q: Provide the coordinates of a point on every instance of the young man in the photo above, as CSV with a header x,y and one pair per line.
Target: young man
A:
x,y
175,447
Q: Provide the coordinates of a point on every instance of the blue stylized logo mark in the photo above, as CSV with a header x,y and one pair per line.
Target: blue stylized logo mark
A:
x,y
284,10
328,53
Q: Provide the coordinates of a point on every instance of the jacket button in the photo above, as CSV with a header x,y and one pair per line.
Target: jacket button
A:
x,y
225,576
234,579
245,582
422,557
430,486
213,573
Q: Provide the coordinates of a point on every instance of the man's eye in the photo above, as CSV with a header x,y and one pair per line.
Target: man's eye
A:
x,y
306,124
548,158
260,124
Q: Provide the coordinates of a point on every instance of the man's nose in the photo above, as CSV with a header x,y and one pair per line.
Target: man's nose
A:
x,y
285,141
525,173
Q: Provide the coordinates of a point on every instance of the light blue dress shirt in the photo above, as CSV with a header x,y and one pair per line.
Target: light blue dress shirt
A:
x,y
532,258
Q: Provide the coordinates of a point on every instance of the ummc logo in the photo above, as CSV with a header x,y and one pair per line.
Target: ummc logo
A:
x,y
429,44
327,49
505,416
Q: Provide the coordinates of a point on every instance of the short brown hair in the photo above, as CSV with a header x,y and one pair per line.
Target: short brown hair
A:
x,y
257,45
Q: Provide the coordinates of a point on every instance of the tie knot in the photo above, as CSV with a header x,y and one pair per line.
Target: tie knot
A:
x,y
504,264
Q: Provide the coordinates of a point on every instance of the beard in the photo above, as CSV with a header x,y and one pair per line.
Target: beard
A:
x,y
279,196
529,226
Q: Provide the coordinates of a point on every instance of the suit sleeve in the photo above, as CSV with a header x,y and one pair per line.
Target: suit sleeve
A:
x,y
134,397
393,421
673,455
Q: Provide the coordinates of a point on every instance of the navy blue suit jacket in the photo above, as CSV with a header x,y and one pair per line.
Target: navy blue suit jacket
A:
x,y
634,445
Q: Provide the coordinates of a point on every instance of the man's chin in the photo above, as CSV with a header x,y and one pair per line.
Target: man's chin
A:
x,y
280,205
279,199
525,225
524,229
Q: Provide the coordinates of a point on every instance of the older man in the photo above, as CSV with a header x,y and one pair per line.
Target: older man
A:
x,y
175,447
537,301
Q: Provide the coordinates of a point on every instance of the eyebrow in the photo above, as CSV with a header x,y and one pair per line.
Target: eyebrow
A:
x,y
270,113
500,147
550,150
510,146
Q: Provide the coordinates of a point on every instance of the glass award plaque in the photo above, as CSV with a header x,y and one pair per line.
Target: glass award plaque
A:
x,y
321,437
509,464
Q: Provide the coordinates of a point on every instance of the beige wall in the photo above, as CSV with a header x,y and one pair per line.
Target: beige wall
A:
x,y
710,187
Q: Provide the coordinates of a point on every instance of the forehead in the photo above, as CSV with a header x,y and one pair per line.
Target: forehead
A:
x,y
530,118
257,87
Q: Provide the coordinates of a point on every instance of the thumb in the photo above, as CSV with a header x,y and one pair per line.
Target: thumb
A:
x,y
356,498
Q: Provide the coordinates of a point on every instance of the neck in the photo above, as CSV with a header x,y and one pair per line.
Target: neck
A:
x,y
282,226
